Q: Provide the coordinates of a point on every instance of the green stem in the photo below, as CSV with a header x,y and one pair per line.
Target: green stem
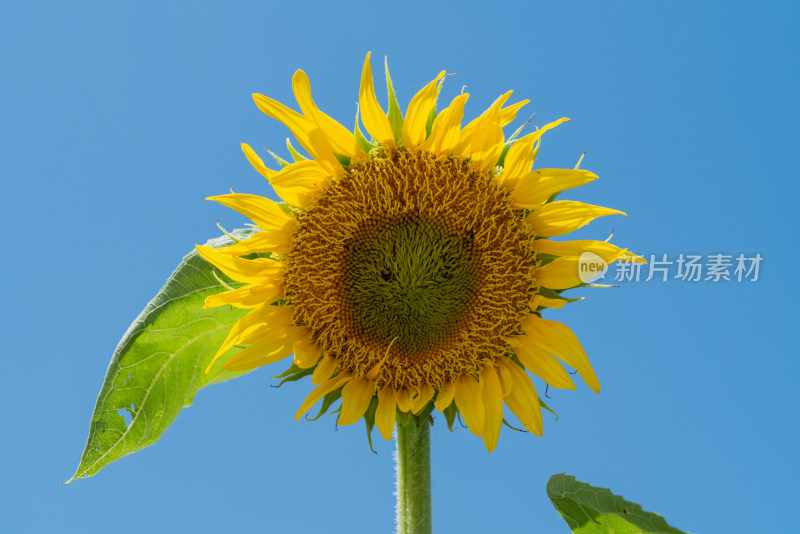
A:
x,y
413,476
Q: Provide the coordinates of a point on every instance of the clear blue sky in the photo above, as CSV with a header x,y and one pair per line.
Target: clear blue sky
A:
x,y
117,120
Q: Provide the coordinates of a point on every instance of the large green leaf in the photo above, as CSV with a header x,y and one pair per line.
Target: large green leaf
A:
x,y
591,510
160,363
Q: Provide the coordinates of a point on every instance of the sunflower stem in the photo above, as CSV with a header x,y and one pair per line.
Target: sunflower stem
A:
x,y
413,476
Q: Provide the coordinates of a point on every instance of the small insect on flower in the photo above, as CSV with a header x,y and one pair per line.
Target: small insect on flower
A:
x,y
408,272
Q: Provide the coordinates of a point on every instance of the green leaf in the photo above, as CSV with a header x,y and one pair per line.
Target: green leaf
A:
x,y
160,362
591,510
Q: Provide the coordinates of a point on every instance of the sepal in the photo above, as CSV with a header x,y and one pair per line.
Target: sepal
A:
x,y
293,374
327,402
394,114
369,420
450,415
546,407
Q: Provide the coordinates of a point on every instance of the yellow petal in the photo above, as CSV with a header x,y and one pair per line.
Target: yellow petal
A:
x,y
266,213
257,162
305,130
496,106
417,114
506,381
534,188
297,196
565,216
404,401
260,270
372,115
267,350
265,318
606,251
356,396
519,158
487,144
545,302
465,136
249,296
574,249
422,397
468,399
445,396
385,414
277,241
628,256
561,273
523,399
542,364
446,128
559,340
325,368
510,113
299,182
564,272
260,343
306,353
320,391
492,398
340,138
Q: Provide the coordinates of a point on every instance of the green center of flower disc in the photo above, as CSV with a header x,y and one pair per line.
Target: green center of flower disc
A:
x,y
410,282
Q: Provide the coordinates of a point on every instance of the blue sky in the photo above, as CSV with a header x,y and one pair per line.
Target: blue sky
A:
x,y
117,121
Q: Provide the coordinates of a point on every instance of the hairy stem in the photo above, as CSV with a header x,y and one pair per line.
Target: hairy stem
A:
x,y
413,476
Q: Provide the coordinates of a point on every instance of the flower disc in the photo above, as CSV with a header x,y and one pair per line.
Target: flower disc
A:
x,y
415,258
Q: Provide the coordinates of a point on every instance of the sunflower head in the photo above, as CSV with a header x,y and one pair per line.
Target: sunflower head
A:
x,y
408,273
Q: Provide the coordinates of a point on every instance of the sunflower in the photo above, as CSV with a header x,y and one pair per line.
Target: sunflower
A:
x,y
409,272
